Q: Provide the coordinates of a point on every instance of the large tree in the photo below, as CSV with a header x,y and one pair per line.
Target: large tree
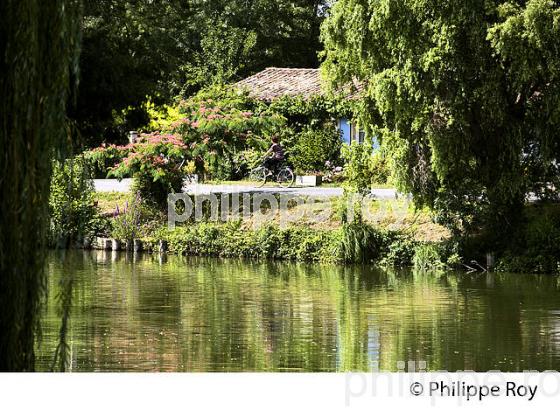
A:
x,y
38,64
161,48
465,94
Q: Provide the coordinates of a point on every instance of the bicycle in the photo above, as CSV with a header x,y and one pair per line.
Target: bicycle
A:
x,y
285,177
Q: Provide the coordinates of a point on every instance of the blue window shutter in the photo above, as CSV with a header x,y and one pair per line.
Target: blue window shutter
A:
x,y
376,144
344,126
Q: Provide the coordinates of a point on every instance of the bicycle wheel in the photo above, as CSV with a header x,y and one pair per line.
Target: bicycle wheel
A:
x,y
258,176
286,177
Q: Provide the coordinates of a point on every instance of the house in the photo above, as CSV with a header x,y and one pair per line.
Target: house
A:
x,y
273,83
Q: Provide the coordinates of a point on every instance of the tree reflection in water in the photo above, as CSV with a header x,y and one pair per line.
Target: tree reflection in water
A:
x,y
147,313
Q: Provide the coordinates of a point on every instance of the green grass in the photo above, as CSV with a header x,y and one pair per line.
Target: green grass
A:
x,y
108,201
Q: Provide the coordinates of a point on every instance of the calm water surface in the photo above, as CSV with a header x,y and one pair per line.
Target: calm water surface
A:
x,y
149,313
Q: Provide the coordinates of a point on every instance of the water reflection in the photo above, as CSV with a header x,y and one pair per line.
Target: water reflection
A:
x,y
152,313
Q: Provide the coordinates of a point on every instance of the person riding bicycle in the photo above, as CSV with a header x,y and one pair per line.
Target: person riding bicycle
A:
x,y
275,155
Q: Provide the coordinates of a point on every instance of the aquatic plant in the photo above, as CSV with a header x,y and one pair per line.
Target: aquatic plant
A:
x,y
126,223
361,242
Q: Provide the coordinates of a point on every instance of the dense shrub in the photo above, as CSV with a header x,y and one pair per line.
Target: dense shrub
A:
x,y
314,146
162,117
537,248
155,163
357,167
399,250
379,168
135,220
71,206
267,242
361,243
105,157
427,257
218,123
312,111
244,161
354,243
221,123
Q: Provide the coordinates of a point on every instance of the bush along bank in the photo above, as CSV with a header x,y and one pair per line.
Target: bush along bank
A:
x,y
351,244
137,226
536,247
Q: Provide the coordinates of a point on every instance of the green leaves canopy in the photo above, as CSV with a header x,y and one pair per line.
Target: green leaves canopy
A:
x,y
463,93
160,48
39,49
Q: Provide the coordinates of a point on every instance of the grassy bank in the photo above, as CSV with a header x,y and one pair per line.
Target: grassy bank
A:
x,y
386,215
394,235
352,243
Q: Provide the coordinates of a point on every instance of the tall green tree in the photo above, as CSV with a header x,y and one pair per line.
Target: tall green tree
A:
x,y
130,50
39,41
465,95
133,50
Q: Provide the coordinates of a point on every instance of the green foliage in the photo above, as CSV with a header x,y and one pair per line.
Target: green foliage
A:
x,y
134,220
219,123
314,146
232,240
536,247
102,159
427,258
134,51
71,207
400,250
354,243
155,162
39,48
357,167
311,137
129,50
224,126
465,94
361,243
379,167
224,52
162,117
244,161
312,111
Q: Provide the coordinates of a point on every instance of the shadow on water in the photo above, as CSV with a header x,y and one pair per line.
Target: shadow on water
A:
x,y
168,313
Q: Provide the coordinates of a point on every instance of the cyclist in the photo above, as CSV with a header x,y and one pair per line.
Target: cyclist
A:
x,y
275,155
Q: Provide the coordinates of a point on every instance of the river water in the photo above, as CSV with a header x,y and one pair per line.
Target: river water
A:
x,y
170,313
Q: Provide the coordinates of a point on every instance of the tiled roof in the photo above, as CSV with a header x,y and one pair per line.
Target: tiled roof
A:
x,y
273,83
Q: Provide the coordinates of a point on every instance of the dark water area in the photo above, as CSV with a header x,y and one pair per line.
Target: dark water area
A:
x,y
170,313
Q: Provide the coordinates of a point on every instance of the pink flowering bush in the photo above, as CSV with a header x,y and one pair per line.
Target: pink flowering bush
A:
x,y
156,163
105,157
219,123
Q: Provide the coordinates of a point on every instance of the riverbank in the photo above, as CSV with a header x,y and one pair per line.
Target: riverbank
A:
x,y
350,244
316,213
395,234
